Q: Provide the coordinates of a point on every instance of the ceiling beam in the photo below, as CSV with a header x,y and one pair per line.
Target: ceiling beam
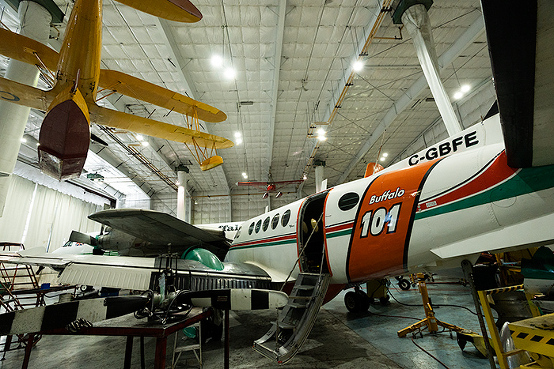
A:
x,y
276,71
413,92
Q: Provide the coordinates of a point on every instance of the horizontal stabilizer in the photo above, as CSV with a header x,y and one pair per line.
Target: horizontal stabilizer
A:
x,y
175,10
154,94
27,50
58,316
149,127
236,299
522,62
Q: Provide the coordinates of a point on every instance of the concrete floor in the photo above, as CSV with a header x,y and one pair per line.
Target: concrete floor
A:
x,y
339,340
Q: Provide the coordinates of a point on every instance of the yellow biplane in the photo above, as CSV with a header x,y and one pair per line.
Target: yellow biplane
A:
x,y
76,78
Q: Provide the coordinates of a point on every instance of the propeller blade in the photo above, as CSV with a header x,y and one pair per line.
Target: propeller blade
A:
x,y
80,237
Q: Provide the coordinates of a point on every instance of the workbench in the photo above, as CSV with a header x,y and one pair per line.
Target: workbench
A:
x,y
130,328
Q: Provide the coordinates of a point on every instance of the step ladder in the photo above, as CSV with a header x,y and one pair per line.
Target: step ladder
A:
x,y
296,319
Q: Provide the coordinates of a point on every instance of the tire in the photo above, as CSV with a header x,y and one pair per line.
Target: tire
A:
x,y
356,302
404,284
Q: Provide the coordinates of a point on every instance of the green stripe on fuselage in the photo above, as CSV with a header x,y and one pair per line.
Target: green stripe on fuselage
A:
x,y
265,244
526,181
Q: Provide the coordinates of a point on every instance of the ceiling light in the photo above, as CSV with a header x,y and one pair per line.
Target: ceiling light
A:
x,y
23,139
383,158
139,137
358,65
465,88
238,134
238,140
305,177
216,61
144,143
244,175
458,95
230,73
385,154
321,134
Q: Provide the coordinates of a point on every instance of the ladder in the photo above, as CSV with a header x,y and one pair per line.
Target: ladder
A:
x,y
296,319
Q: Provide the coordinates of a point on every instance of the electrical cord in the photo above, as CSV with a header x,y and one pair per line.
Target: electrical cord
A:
x,y
428,353
434,305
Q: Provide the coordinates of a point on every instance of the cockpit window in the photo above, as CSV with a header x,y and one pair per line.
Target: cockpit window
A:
x,y
258,225
275,221
285,218
251,228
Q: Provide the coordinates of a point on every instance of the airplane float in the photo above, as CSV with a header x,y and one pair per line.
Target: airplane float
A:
x,y
488,188
77,83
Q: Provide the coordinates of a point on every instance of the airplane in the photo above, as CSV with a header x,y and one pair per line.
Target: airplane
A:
x,y
76,79
270,186
488,188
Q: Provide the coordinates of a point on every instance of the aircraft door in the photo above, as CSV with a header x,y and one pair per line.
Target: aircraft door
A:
x,y
311,238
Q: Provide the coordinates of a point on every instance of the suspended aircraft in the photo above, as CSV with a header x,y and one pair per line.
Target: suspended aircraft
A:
x,y
271,186
488,188
78,81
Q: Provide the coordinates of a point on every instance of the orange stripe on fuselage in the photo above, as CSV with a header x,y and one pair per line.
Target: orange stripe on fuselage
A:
x,y
382,228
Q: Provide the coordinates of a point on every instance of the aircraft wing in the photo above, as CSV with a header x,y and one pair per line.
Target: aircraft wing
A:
x,y
162,228
130,122
175,10
27,50
154,94
522,61
25,95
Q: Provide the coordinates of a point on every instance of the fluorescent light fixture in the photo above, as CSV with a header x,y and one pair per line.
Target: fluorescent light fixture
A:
x,y
458,95
216,61
358,65
465,88
230,73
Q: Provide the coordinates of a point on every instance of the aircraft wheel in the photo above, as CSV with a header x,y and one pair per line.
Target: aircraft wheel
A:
x,y
356,302
404,284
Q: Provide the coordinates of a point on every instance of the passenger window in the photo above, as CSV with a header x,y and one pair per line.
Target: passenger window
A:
x,y
275,221
348,201
251,229
258,225
285,219
266,224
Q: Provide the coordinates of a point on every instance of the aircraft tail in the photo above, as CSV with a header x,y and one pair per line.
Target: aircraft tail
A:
x,y
522,61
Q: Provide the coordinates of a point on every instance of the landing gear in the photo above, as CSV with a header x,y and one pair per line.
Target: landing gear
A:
x,y
403,283
357,301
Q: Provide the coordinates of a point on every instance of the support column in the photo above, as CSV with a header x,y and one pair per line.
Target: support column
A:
x,y
35,23
416,20
319,174
182,193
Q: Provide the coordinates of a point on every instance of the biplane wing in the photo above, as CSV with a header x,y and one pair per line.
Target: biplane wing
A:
x,y
175,10
21,94
135,123
133,87
27,50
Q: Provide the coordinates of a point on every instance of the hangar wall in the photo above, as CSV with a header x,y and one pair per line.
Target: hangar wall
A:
x,y
38,216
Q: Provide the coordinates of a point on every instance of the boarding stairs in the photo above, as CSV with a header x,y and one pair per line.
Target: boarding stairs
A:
x,y
296,319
